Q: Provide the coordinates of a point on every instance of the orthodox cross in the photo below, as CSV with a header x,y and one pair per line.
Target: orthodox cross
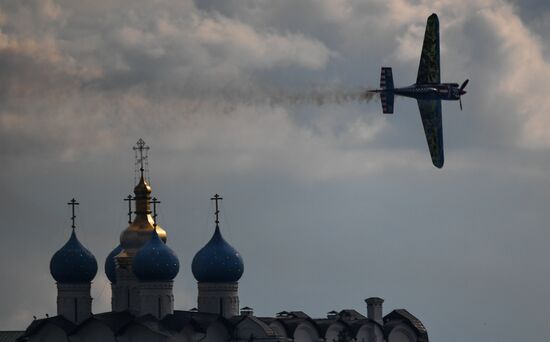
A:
x,y
154,201
129,199
142,149
73,203
216,199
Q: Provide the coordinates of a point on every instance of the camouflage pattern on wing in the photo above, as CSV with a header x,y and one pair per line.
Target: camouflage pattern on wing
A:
x,y
387,102
428,70
430,112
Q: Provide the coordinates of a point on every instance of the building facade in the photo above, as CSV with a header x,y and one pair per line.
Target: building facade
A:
x,y
141,270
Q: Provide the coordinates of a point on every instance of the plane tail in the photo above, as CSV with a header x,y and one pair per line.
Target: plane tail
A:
x,y
386,83
386,78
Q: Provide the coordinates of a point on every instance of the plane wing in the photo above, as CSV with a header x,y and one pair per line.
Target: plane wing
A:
x,y
429,69
430,112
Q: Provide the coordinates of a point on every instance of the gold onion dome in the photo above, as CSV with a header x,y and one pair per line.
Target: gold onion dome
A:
x,y
139,231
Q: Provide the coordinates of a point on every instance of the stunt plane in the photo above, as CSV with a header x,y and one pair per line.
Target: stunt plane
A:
x,y
428,91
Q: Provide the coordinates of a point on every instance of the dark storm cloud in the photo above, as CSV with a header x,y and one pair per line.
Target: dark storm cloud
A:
x,y
227,93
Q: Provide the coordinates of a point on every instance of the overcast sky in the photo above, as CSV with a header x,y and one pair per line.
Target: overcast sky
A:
x,y
328,203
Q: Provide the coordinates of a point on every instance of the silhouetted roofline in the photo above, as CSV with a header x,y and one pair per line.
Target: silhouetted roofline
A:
x,y
120,322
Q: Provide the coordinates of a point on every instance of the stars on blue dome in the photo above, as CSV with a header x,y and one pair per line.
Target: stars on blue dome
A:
x,y
217,261
155,261
73,263
110,264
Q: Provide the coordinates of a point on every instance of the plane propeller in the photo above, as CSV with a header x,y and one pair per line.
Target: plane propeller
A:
x,y
461,92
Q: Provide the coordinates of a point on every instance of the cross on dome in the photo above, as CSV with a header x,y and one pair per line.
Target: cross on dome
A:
x,y
142,149
216,199
154,201
73,203
130,198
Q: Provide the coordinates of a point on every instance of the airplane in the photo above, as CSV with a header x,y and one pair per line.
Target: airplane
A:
x,y
428,91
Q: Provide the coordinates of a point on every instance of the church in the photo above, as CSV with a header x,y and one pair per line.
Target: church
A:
x,y
142,269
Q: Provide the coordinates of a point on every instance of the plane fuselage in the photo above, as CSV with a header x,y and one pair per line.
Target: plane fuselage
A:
x,y
441,91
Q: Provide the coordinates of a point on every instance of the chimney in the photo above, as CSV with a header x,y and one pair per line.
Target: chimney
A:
x,y
246,311
374,308
332,315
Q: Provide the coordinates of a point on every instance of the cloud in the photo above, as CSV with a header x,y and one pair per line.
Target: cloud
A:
x,y
62,74
524,75
175,59
242,46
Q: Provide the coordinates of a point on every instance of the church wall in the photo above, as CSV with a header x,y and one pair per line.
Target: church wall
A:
x,y
135,300
74,301
219,298
156,298
124,291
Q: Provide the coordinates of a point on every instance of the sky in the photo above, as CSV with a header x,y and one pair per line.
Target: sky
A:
x,y
328,201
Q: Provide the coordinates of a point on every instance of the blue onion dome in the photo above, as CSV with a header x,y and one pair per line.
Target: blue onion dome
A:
x,y
217,261
73,263
110,264
155,261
